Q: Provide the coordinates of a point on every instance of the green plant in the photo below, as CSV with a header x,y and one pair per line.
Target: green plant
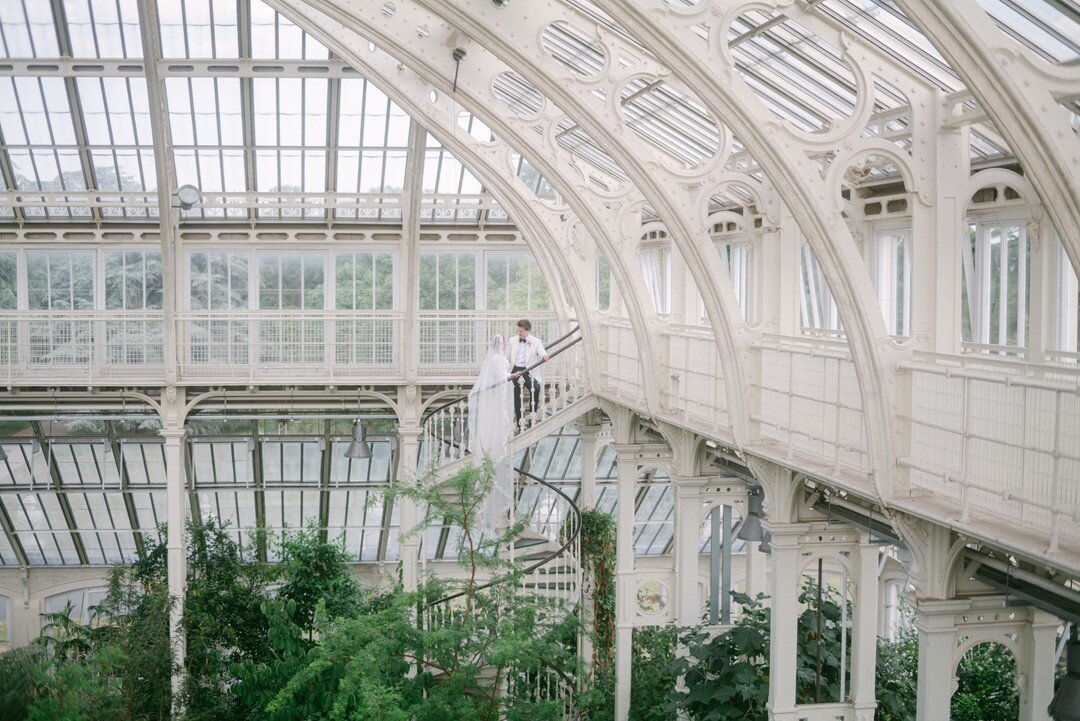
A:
x,y
986,688
897,676
598,559
461,651
311,572
652,678
727,675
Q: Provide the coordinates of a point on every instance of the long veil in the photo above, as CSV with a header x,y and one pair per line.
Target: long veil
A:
x,y
490,422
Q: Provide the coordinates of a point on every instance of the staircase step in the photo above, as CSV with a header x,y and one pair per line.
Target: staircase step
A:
x,y
549,585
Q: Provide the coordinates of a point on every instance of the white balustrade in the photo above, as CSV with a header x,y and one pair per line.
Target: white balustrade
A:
x,y
78,347
810,400
999,441
292,344
692,383
620,361
222,346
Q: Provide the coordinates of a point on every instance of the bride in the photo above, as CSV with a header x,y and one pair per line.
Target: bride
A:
x,y
490,422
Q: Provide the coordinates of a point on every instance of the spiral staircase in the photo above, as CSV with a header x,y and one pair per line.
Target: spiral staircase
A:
x,y
549,552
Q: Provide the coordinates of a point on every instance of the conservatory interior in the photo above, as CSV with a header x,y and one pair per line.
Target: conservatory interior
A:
x,y
806,444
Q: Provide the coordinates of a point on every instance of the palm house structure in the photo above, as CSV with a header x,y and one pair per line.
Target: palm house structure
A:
x,y
800,439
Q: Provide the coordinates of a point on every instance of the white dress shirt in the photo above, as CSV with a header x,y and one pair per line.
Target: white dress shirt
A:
x,y
526,354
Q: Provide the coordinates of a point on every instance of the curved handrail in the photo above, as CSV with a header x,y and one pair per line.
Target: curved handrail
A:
x,y
431,411
536,564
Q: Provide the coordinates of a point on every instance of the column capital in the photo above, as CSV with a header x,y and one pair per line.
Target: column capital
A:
x,y
589,432
785,535
171,434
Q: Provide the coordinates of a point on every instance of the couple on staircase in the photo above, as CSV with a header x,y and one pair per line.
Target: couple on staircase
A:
x,y
490,426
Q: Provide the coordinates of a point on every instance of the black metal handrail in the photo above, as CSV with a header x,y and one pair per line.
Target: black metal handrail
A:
x,y
431,411
536,564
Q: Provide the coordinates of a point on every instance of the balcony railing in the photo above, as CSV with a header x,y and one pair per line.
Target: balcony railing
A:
x,y
79,346
251,346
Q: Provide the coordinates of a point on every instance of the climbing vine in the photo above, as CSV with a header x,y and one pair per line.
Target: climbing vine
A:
x,y
598,558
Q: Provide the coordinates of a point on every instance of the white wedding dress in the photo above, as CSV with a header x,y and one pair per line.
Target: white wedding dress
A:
x,y
490,423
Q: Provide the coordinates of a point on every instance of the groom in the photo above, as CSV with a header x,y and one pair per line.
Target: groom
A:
x,y
524,351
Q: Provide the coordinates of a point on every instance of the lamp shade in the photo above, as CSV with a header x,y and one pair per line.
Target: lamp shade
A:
x,y
358,447
1066,703
3,454
751,529
766,543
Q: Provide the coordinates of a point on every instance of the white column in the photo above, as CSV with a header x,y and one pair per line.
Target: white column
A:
x,y
176,554
864,634
784,590
409,444
587,501
687,556
587,497
936,624
624,585
754,570
1036,665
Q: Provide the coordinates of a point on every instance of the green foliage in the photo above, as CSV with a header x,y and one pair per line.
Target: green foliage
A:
x,y
897,676
19,674
727,675
598,567
986,689
598,559
818,664
313,571
652,678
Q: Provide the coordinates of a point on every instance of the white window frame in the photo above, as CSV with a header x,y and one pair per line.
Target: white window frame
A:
x,y
262,254
737,244
536,274
976,266
660,297
479,289
886,271
5,617
331,276
818,306
1066,337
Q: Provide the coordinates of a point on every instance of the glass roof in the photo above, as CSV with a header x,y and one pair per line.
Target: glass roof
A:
x,y
287,142
284,142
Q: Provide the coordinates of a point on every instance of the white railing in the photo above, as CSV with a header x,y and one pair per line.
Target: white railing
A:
x,y
994,350
295,344
79,347
1000,440
251,346
693,380
811,401
446,430
620,360
453,343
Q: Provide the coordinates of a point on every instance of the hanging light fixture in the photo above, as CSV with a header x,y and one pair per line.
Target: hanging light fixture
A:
x,y
3,454
750,529
766,543
358,448
1066,703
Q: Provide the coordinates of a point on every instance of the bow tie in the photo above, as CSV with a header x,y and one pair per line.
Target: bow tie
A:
x,y
521,340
